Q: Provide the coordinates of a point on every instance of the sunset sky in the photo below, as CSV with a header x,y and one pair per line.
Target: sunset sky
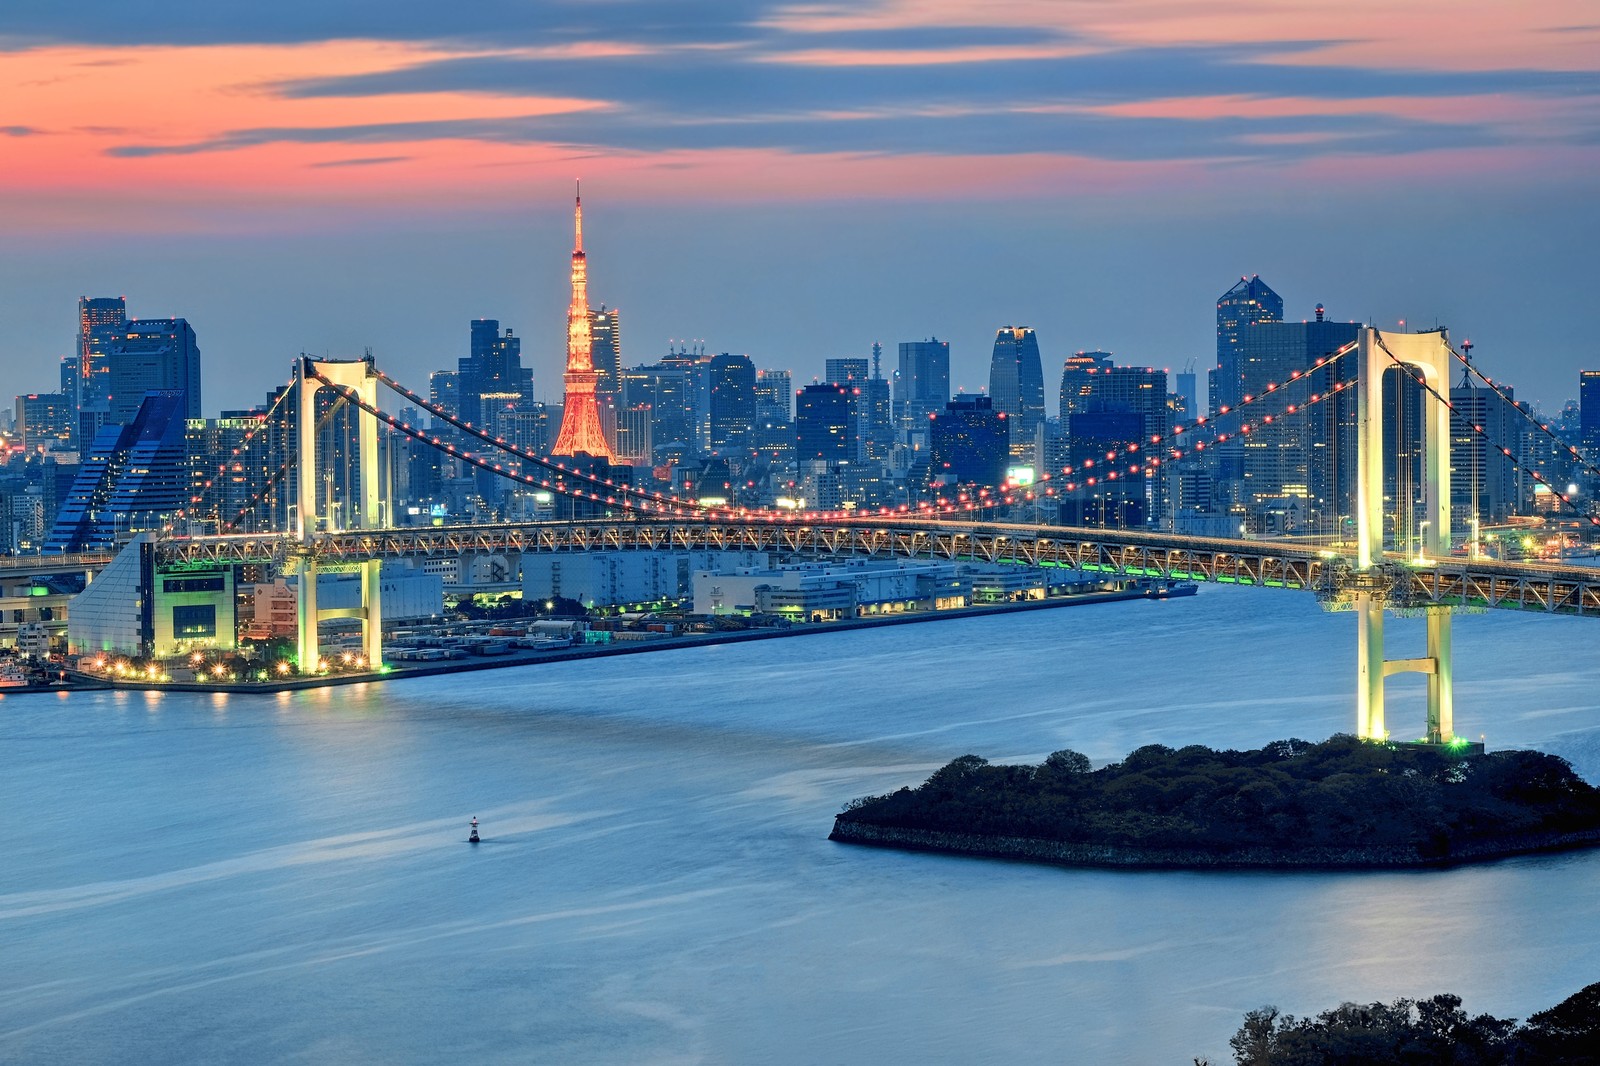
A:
x,y
795,181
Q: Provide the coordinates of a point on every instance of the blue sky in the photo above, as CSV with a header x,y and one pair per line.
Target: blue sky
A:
x,y
796,181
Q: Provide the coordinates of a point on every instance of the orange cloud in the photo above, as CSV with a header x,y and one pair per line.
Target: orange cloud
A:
x,y
85,102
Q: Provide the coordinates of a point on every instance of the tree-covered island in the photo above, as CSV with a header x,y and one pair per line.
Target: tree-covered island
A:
x,y
1344,802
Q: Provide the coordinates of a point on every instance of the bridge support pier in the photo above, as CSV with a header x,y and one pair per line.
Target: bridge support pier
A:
x,y
1429,354
1441,697
307,618
372,612
1369,667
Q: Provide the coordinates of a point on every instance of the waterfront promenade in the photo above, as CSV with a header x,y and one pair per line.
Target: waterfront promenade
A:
x,y
524,656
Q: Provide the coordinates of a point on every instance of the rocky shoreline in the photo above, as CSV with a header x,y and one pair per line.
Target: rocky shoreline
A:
x,y
1112,856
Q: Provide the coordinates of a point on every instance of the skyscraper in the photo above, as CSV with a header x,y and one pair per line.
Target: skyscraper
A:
x,y
45,419
133,477
774,394
851,375
1246,304
1111,408
970,444
822,417
605,331
732,402
492,380
1016,384
152,355
1308,452
1589,413
444,390
844,371
922,382
1077,381
100,321
581,431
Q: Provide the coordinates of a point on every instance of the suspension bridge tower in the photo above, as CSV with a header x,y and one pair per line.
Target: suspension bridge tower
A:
x,y
1427,358
358,379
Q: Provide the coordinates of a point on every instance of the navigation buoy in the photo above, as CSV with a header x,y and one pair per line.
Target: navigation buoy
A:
x,y
473,839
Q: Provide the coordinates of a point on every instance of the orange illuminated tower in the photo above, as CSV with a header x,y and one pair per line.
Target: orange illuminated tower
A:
x,y
580,415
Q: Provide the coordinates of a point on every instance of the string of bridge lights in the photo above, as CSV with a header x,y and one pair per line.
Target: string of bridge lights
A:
x,y
1202,423
1544,428
1483,434
962,500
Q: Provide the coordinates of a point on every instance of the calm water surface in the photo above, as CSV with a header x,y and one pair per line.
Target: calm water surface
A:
x,y
196,878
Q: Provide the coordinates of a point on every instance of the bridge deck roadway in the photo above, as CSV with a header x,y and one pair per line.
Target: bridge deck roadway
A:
x,y
1554,588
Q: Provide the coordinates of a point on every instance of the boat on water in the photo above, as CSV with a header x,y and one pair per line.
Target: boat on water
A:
x,y
1163,590
13,676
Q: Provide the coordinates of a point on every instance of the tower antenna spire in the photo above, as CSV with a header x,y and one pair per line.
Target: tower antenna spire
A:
x,y
577,219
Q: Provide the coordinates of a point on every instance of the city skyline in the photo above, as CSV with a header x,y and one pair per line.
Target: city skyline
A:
x,y
796,183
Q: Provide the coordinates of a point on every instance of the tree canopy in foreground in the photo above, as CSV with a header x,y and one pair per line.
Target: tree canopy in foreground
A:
x,y
1422,1033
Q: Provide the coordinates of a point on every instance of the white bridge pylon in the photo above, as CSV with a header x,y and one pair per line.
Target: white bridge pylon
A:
x,y
360,377
1429,355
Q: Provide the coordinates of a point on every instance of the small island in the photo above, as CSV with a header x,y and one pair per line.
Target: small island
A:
x,y
1344,803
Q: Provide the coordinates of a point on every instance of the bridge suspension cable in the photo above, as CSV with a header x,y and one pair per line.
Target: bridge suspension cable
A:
x,y
1202,424
616,495
1482,434
653,499
1543,427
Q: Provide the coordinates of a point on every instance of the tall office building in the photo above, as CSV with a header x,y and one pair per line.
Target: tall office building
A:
x,y
1247,304
605,331
45,420
732,402
133,477
1076,381
100,321
850,374
922,382
635,441
774,394
229,479
444,391
152,355
1101,429
1113,407
844,371
822,424
1589,414
1309,452
970,442
1186,403
1483,478
1016,384
774,436
668,393
491,381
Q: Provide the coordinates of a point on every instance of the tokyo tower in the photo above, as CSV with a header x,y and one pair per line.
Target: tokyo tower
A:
x,y
580,415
